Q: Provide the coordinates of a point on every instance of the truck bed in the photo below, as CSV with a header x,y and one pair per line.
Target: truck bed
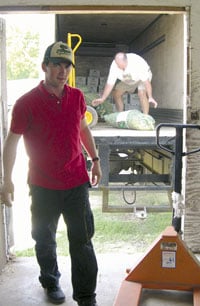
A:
x,y
123,149
105,134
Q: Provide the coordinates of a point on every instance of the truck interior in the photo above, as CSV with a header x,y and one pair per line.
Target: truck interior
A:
x,y
160,37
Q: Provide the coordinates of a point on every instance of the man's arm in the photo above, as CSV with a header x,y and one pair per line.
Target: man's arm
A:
x,y
88,143
148,87
112,77
9,156
107,90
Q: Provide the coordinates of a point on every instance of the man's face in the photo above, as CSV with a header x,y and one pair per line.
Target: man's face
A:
x,y
121,62
57,74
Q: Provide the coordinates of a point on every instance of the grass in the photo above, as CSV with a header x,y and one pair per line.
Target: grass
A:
x,y
118,232
126,233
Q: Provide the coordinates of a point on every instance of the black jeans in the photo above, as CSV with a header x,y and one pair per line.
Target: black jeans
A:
x,y
47,206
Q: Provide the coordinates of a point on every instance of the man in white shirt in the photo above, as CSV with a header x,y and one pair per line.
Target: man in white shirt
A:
x,y
128,71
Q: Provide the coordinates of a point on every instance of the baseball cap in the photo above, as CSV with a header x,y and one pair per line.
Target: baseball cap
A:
x,y
59,52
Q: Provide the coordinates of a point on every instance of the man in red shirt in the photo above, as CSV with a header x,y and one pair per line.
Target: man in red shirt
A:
x,y
51,119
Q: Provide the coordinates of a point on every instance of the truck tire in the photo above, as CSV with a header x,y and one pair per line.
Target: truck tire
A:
x,y
91,116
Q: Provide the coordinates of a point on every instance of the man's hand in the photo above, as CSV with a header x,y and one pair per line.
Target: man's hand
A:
x,y
98,101
7,193
96,173
151,100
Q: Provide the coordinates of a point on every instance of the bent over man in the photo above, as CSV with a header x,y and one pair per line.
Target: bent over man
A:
x,y
127,73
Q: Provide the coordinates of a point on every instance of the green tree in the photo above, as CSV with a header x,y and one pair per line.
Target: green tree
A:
x,y
22,53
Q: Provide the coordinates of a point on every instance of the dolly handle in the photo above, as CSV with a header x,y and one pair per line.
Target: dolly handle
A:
x,y
178,127
72,76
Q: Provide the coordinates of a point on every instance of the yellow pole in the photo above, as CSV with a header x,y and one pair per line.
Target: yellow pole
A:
x,y
72,76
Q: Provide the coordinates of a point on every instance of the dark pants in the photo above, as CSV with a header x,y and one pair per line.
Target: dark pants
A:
x,y
47,206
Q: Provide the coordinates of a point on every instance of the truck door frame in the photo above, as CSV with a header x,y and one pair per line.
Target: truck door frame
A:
x,y
4,212
82,10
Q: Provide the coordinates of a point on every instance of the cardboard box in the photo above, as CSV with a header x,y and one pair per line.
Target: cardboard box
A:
x,y
125,98
134,102
80,81
101,88
92,81
92,88
102,80
94,73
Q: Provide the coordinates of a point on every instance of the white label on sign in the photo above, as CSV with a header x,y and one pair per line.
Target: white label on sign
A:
x,y
168,259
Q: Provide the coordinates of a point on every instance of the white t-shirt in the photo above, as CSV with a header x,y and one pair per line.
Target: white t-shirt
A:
x,y
136,70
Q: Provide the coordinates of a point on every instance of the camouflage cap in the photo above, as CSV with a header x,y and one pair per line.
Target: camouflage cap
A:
x,y
59,52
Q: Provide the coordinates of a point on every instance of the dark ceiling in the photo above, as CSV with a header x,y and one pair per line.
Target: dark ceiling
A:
x,y
97,29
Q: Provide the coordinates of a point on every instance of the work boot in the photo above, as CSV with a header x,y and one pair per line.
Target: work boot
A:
x,y
88,303
55,295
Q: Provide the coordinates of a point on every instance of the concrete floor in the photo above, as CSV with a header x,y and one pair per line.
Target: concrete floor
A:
x,y
19,285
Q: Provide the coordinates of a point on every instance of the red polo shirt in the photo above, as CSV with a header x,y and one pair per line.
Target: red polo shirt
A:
x,y
51,131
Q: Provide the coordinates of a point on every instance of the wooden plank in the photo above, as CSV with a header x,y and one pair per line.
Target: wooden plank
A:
x,y
16,6
104,130
192,211
129,294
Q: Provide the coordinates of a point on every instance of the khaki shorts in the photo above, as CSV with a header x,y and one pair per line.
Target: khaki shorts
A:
x,y
130,88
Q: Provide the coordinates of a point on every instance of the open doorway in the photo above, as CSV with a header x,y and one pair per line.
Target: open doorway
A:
x,y
160,38
15,221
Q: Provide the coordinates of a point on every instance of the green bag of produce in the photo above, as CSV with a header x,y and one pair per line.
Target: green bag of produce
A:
x,y
131,119
102,109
